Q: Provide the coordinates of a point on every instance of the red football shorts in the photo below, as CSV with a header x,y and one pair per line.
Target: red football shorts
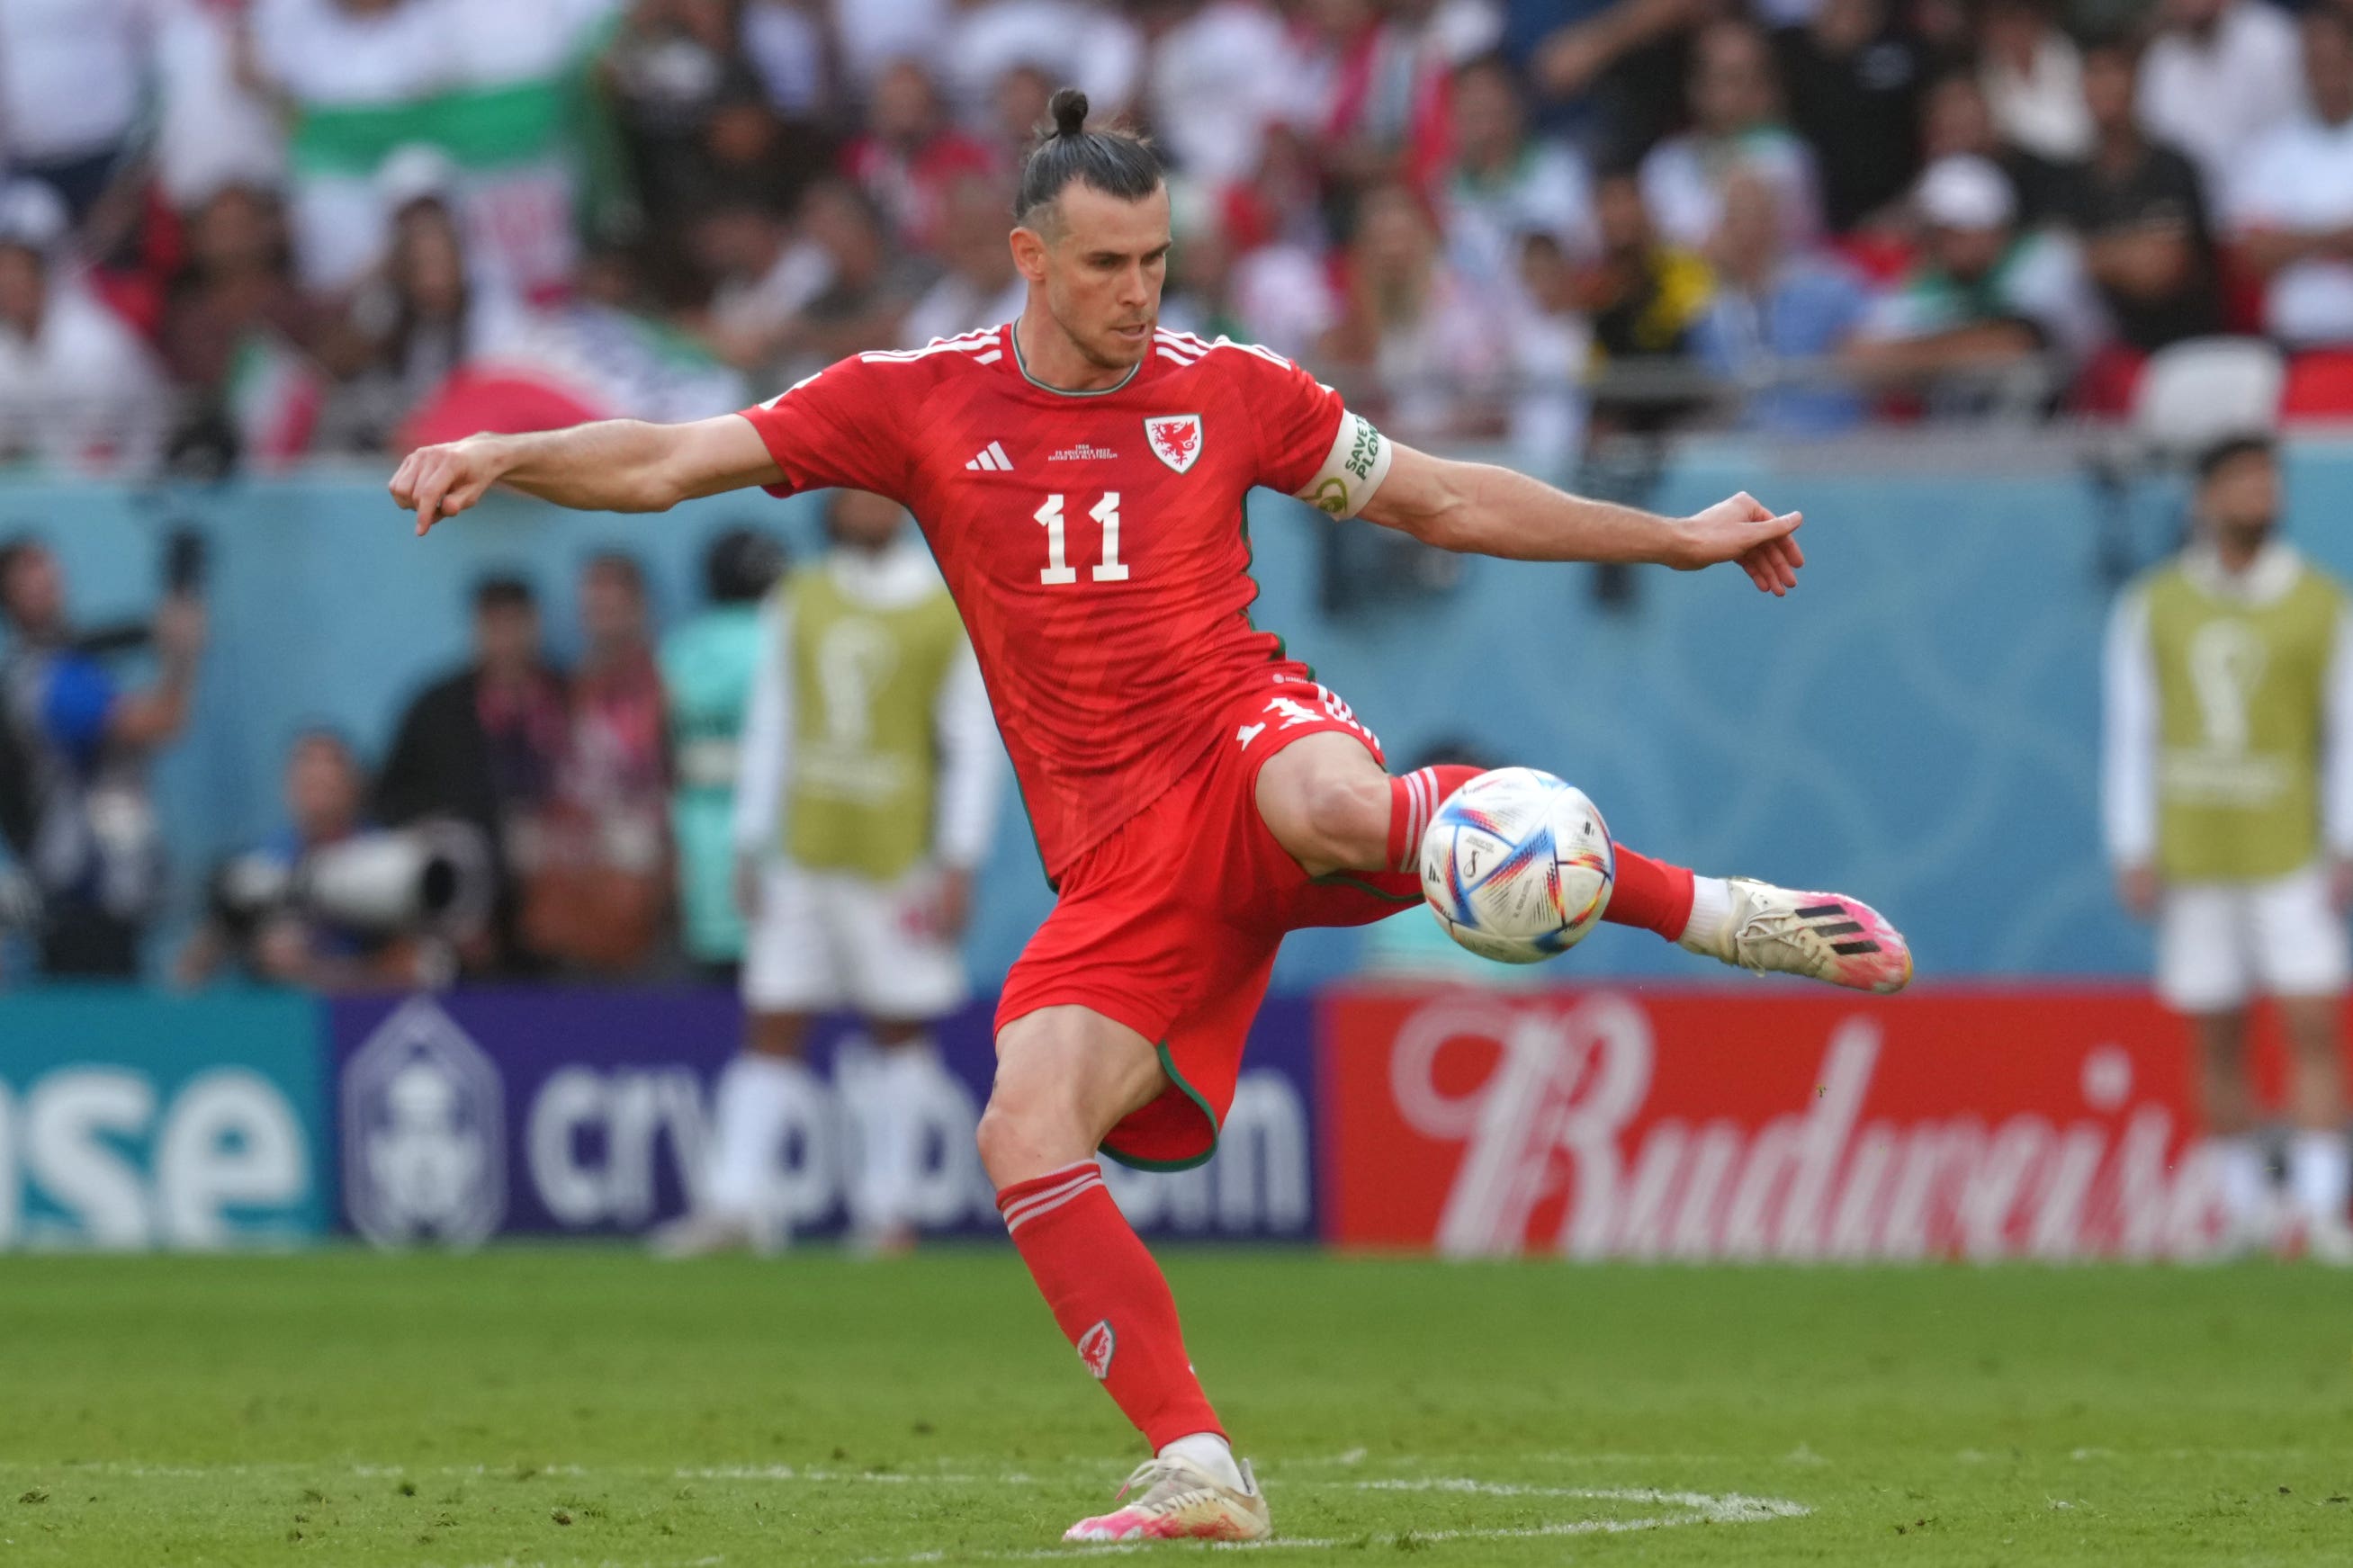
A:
x,y
1170,925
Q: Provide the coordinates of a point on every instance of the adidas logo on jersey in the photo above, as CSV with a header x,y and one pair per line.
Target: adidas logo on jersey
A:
x,y
992,459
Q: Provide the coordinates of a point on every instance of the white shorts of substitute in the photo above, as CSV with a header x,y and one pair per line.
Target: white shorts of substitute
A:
x,y
2221,943
822,941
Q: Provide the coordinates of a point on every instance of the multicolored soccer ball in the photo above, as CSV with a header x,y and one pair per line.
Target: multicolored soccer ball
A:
x,y
1517,865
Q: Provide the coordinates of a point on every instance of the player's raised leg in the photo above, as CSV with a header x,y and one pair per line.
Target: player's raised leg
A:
x,y
1065,1076
1329,804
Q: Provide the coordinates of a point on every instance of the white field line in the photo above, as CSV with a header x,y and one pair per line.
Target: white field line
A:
x,y
1730,1508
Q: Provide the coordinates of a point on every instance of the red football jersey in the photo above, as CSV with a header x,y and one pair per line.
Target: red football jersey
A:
x,y
1095,543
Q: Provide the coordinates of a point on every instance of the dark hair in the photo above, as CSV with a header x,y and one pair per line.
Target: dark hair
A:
x,y
618,564
503,591
2213,459
741,566
1118,162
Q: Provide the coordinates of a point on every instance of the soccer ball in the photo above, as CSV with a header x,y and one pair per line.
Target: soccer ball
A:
x,y
1517,865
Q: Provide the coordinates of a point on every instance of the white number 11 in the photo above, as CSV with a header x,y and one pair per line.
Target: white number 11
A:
x,y
1058,569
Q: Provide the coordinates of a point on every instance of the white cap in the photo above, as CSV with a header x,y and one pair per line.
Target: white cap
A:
x,y
417,172
31,215
1966,192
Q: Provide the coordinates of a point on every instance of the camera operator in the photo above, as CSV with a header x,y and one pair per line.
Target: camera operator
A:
x,y
81,743
259,918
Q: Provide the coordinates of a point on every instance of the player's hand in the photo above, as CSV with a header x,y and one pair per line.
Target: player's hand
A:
x,y
180,629
2137,888
951,908
2340,883
1743,529
439,482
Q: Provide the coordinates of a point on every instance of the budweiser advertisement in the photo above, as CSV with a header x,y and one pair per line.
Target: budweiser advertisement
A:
x,y
1761,1124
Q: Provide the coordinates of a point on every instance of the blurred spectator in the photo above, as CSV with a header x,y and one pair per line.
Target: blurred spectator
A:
x,y
2220,75
1219,73
1015,112
870,34
1778,320
910,160
2033,81
94,849
2291,206
785,44
1443,359
1092,47
72,73
236,328
481,747
981,286
791,301
2142,219
671,66
762,279
285,945
1644,297
1987,309
1278,294
77,386
1853,74
414,324
707,668
597,894
1957,123
870,284
1608,69
1375,81
345,69
214,127
1735,123
1504,186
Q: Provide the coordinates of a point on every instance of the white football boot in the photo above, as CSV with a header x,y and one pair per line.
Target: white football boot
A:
x,y
1178,1500
1822,936
709,1233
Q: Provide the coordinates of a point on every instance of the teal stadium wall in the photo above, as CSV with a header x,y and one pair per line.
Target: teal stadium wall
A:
x,y
1916,724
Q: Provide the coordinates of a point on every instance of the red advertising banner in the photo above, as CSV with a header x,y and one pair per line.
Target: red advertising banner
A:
x,y
1712,1124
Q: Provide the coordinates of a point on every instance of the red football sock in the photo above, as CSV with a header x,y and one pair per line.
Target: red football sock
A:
x,y
1650,894
1110,1298
1414,799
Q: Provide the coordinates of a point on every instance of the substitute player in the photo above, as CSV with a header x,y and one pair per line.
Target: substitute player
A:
x,y
867,796
1080,476
2228,806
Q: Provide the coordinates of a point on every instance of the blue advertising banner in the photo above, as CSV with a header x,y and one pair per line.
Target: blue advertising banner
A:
x,y
585,1112
134,1120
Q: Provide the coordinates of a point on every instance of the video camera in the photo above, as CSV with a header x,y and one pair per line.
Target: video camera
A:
x,y
433,880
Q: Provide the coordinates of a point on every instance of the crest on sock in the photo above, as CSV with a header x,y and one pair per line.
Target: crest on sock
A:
x,y
1097,1346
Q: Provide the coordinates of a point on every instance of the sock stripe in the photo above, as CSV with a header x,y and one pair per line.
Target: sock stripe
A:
x,y
1025,1200
1018,1191
1016,1218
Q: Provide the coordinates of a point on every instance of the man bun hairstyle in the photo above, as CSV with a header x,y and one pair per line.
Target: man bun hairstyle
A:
x,y
1117,161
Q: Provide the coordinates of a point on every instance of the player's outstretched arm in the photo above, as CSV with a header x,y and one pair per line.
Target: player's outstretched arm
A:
x,y
617,465
1479,509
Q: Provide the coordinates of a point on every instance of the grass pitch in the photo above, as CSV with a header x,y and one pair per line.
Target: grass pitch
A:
x,y
581,1407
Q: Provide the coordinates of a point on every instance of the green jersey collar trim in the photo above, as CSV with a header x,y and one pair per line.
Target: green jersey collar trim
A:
x,y
1013,334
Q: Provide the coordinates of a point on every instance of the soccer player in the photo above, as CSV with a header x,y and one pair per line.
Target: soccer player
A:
x,y
2228,805
1080,476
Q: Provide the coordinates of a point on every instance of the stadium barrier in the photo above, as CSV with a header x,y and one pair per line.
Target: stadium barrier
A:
x,y
1597,1122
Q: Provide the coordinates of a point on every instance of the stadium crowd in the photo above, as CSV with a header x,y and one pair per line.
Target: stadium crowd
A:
x,y
252,230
